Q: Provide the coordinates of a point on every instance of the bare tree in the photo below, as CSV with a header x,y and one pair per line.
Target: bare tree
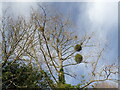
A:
x,y
60,47
48,41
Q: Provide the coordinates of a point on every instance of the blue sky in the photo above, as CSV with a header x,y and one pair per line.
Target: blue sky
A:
x,y
100,18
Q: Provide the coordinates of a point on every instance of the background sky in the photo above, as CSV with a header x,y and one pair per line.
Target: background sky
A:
x,y
98,17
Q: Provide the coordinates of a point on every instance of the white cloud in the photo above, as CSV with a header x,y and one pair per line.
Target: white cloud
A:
x,y
19,8
103,17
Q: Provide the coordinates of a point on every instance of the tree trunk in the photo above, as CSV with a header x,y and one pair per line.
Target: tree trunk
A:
x,y
61,76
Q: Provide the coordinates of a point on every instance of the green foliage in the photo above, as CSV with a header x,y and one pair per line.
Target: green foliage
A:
x,y
41,29
23,76
69,86
61,70
78,58
78,47
48,39
78,85
66,86
75,37
57,40
61,76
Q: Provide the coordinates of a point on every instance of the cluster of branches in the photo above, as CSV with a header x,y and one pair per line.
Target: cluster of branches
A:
x,y
46,41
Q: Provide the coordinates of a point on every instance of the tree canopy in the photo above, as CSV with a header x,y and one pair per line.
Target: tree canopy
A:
x,y
36,53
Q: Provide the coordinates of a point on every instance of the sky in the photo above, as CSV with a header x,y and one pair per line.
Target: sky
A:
x,y
98,17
